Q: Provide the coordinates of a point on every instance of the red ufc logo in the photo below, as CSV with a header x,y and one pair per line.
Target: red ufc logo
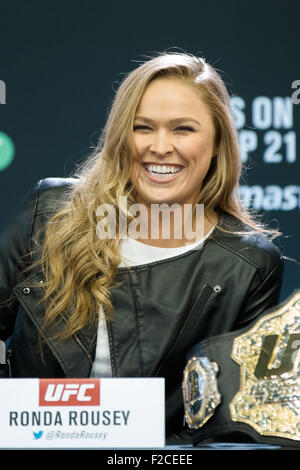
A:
x,y
69,392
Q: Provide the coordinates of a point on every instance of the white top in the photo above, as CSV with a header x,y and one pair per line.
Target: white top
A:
x,y
135,253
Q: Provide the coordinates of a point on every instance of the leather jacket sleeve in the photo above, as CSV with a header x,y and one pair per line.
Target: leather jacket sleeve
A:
x,y
264,291
15,233
264,296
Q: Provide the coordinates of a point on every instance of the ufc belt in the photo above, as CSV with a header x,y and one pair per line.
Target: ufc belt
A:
x,y
247,383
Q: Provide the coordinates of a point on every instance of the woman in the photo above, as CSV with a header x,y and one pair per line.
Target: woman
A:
x,y
79,303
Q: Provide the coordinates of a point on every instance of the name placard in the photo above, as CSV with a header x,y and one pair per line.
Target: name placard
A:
x,y
82,413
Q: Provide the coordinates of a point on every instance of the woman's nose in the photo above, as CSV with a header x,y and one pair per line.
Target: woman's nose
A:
x,y
161,143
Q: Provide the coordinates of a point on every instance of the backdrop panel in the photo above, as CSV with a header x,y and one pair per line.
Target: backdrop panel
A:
x,y
60,62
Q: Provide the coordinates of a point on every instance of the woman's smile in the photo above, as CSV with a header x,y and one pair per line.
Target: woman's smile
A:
x,y
162,173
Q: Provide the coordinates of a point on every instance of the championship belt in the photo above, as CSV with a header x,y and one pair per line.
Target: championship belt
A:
x,y
247,382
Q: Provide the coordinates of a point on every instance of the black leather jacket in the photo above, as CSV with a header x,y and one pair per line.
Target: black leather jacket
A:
x,y
161,310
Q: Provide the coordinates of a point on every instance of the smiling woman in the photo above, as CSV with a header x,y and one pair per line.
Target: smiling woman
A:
x,y
93,306
170,141
175,148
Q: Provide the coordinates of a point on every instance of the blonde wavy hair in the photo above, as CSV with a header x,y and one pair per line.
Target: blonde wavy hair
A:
x,y
79,267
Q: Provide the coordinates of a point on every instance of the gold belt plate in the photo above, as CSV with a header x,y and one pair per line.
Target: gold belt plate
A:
x,y
269,359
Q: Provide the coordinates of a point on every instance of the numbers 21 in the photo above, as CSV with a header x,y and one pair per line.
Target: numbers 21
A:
x,y
278,146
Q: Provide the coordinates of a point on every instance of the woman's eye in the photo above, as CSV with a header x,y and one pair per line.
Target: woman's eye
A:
x,y
185,128
135,128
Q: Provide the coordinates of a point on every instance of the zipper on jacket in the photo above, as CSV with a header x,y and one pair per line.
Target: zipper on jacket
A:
x,y
8,361
83,347
110,342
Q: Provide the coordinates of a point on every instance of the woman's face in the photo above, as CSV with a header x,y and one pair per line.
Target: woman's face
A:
x,y
174,137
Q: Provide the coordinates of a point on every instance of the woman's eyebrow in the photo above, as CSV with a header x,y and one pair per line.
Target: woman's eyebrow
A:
x,y
172,121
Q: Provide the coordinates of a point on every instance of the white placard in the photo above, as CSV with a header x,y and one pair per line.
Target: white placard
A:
x,y
82,413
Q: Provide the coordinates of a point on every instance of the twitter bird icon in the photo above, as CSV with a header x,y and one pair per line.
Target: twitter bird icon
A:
x,y
37,435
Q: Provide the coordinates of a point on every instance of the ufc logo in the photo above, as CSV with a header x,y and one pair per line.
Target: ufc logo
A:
x,y
264,367
69,392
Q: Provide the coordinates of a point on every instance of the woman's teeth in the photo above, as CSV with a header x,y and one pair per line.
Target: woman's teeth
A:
x,y
162,171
